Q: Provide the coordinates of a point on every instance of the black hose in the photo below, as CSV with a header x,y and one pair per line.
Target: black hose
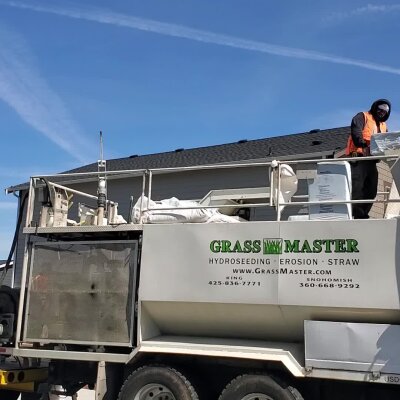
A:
x,y
20,213
49,202
14,242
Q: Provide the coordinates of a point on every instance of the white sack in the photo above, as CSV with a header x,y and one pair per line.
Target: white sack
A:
x,y
288,186
175,214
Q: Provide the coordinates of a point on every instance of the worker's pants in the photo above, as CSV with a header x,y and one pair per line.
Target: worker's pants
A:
x,y
364,181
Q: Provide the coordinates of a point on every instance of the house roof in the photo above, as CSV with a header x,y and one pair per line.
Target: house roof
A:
x,y
316,141
313,142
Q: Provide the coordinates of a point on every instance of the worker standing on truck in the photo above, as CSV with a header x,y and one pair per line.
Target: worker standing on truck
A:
x,y
364,174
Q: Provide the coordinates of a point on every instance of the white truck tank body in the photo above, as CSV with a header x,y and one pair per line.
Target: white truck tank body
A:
x,y
262,280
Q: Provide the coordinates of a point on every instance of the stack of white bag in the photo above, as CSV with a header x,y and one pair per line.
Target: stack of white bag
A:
x,y
180,211
288,185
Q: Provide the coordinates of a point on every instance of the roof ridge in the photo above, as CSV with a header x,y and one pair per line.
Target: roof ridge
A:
x,y
311,132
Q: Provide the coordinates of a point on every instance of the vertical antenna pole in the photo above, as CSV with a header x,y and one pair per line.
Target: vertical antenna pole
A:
x,y
102,185
101,146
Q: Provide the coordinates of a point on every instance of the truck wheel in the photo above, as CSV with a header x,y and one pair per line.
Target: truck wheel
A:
x,y
157,383
9,394
258,387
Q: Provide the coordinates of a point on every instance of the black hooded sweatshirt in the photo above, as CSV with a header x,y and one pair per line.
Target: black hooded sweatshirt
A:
x,y
358,122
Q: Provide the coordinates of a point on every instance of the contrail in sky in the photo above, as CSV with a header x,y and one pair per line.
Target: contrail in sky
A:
x,y
27,92
375,8
369,9
108,17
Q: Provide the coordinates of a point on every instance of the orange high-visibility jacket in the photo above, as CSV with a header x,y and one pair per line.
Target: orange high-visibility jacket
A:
x,y
369,129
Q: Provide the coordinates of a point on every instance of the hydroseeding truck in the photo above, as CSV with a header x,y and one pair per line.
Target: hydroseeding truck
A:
x,y
186,300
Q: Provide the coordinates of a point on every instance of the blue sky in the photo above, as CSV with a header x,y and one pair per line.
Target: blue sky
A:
x,y
158,75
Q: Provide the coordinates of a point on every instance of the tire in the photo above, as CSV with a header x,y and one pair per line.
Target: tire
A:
x,y
157,382
258,387
9,394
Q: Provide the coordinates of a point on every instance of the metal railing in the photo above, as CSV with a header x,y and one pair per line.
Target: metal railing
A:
x,y
146,175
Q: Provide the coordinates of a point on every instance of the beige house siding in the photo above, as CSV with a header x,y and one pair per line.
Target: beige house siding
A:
x,y
384,184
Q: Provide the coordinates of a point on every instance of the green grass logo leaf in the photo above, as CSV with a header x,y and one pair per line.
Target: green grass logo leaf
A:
x,y
272,246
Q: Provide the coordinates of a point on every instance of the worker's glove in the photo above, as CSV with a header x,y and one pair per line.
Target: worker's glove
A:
x,y
366,151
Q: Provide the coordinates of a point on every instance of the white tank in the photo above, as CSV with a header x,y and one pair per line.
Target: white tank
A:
x,y
262,280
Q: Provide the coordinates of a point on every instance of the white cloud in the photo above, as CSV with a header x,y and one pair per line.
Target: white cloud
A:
x,y
369,9
26,91
127,21
381,8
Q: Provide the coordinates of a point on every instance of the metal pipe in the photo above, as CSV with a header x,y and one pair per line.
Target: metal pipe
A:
x,y
210,207
271,185
220,166
278,209
207,167
89,196
296,203
31,197
159,170
22,292
150,185
101,200
92,173
312,203
333,160
142,197
19,197
100,215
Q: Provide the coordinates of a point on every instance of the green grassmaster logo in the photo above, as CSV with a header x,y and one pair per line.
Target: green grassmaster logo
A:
x,y
272,246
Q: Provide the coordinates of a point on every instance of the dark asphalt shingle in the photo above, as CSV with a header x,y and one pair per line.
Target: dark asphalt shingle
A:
x,y
316,141
279,146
